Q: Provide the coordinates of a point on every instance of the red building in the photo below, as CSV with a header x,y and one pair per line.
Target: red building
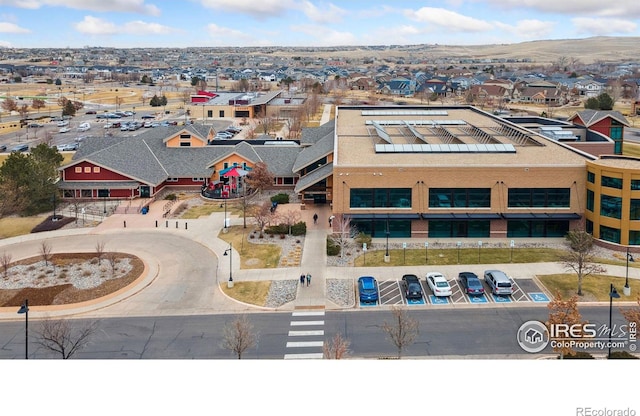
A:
x,y
609,123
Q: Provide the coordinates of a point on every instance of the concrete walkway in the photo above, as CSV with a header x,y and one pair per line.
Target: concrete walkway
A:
x,y
326,114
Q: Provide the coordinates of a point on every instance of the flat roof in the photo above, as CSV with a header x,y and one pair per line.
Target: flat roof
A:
x,y
441,136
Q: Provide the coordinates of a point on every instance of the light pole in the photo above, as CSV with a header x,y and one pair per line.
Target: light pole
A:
x,y
228,252
53,199
626,289
225,215
25,310
613,293
387,259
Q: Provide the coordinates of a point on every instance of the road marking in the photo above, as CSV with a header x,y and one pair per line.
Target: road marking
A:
x,y
302,344
305,333
316,313
301,323
318,355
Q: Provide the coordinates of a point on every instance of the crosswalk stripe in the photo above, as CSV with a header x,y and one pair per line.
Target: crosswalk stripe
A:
x,y
305,344
309,313
305,333
317,355
301,323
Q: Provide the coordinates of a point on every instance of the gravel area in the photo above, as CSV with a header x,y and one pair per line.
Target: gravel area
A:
x,y
85,275
281,292
341,292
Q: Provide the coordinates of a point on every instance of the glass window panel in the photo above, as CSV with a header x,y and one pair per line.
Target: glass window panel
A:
x,y
590,200
439,198
557,228
361,198
480,197
635,209
610,206
518,228
539,198
635,184
634,237
380,198
610,234
459,198
478,228
591,177
400,197
610,182
439,229
519,197
558,197
589,226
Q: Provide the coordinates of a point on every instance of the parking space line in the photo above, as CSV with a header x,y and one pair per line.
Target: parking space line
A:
x,y
303,344
518,294
302,323
457,293
306,333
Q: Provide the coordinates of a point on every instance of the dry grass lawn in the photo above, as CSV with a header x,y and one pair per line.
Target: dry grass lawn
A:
x,y
254,293
252,256
15,226
594,288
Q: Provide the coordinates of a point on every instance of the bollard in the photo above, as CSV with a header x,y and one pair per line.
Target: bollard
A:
x,y
125,224
185,225
166,223
156,223
176,224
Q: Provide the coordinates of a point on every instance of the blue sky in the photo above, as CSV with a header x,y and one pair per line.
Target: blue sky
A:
x,y
183,23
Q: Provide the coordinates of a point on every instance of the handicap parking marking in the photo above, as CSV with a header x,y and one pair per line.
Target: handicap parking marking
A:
x,y
538,297
500,298
416,301
438,300
478,299
457,294
390,293
518,294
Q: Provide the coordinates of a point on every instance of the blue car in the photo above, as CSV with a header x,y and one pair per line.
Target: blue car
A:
x,y
471,284
368,289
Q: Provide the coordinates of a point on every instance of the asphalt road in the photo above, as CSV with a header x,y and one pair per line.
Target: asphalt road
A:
x,y
467,333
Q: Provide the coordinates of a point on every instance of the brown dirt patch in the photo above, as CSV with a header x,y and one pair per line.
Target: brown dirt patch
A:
x,y
65,294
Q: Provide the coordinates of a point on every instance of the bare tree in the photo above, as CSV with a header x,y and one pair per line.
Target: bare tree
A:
x,y
289,217
100,250
260,178
337,348
112,259
402,331
343,234
58,336
37,104
579,257
5,261
564,311
45,252
9,105
238,336
262,215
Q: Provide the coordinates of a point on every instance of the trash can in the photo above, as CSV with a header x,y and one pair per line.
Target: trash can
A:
x,y
145,210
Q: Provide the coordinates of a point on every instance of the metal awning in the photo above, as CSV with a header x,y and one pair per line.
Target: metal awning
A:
x,y
542,216
460,216
389,216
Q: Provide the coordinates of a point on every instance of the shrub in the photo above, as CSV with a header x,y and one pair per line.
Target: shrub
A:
x,y
332,248
363,238
579,355
622,355
277,229
299,228
171,197
280,198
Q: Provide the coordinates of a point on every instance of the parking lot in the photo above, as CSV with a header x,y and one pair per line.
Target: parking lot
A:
x,y
391,292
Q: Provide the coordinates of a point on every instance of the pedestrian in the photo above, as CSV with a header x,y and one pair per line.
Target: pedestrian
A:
x,y
308,279
315,218
331,220
302,279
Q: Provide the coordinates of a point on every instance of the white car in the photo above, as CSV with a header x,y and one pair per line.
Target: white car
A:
x,y
63,123
67,147
438,284
64,130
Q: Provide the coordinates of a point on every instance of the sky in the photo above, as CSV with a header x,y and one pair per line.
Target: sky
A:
x,y
212,23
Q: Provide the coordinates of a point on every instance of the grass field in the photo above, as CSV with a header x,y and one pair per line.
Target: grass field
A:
x,y
15,226
252,256
594,288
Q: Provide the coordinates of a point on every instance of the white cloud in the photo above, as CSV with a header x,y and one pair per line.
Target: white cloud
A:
x,y
128,6
601,27
4,44
328,14
618,8
225,36
6,27
91,25
259,9
324,36
452,21
528,29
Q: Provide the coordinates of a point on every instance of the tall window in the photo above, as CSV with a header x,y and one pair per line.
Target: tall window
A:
x,y
611,206
610,182
634,213
610,234
635,184
590,200
470,229
460,197
380,198
539,197
591,177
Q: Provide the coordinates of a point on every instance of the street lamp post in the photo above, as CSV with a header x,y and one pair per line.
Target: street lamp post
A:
x,y
53,199
626,289
225,216
228,252
613,293
25,310
387,259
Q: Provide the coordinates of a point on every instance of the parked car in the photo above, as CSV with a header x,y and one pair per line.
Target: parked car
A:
x,y
470,283
63,123
3,148
20,148
90,112
412,287
147,117
499,282
84,127
35,125
368,289
64,130
67,147
438,284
